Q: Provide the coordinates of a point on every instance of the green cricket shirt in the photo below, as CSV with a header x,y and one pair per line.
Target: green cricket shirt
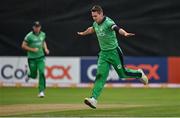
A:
x,y
35,41
106,35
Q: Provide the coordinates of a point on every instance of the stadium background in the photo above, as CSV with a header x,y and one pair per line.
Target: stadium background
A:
x,y
155,48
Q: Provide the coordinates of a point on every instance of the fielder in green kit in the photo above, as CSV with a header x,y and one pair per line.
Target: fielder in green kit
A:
x,y
35,45
110,53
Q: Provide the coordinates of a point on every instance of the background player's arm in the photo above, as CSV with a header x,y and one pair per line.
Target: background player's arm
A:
x,y
27,48
45,48
122,31
89,30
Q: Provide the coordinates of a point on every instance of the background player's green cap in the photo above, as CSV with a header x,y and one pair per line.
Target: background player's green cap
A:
x,y
36,24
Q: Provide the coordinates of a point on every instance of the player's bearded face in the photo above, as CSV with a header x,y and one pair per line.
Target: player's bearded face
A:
x,y
97,17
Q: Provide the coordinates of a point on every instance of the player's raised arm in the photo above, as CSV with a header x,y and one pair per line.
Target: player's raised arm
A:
x,y
89,30
122,31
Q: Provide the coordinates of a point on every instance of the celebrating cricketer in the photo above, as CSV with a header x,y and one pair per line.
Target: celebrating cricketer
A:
x,y
110,54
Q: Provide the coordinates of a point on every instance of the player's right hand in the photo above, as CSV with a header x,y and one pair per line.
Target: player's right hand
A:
x,y
35,49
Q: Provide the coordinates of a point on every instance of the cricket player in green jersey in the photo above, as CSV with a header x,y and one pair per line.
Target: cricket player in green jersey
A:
x,y
110,54
35,45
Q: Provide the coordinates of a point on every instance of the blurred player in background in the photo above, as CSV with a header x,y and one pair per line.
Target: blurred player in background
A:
x,y
35,45
110,54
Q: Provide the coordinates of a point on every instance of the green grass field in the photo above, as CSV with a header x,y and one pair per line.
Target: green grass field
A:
x,y
124,102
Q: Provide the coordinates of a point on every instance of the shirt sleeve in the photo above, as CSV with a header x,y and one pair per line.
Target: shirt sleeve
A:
x,y
27,39
110,23
44,35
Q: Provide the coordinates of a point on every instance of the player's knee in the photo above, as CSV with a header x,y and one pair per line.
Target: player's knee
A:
x,y
41,71
100,76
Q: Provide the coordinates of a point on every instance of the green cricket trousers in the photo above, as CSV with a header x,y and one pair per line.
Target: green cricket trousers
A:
x,y
115,58
37,66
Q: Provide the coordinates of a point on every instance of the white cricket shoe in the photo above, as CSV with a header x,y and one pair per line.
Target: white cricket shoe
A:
x,y
41,94
91,102
144,78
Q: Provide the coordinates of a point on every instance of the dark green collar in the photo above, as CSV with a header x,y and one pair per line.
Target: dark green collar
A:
x,y
102,20
36,33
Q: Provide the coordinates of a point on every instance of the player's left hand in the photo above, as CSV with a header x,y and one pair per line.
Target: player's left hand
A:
x,y
129,34
47,51
80,33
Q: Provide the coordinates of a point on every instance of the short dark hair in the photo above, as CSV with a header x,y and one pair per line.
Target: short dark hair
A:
x,y
97,8
36,24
